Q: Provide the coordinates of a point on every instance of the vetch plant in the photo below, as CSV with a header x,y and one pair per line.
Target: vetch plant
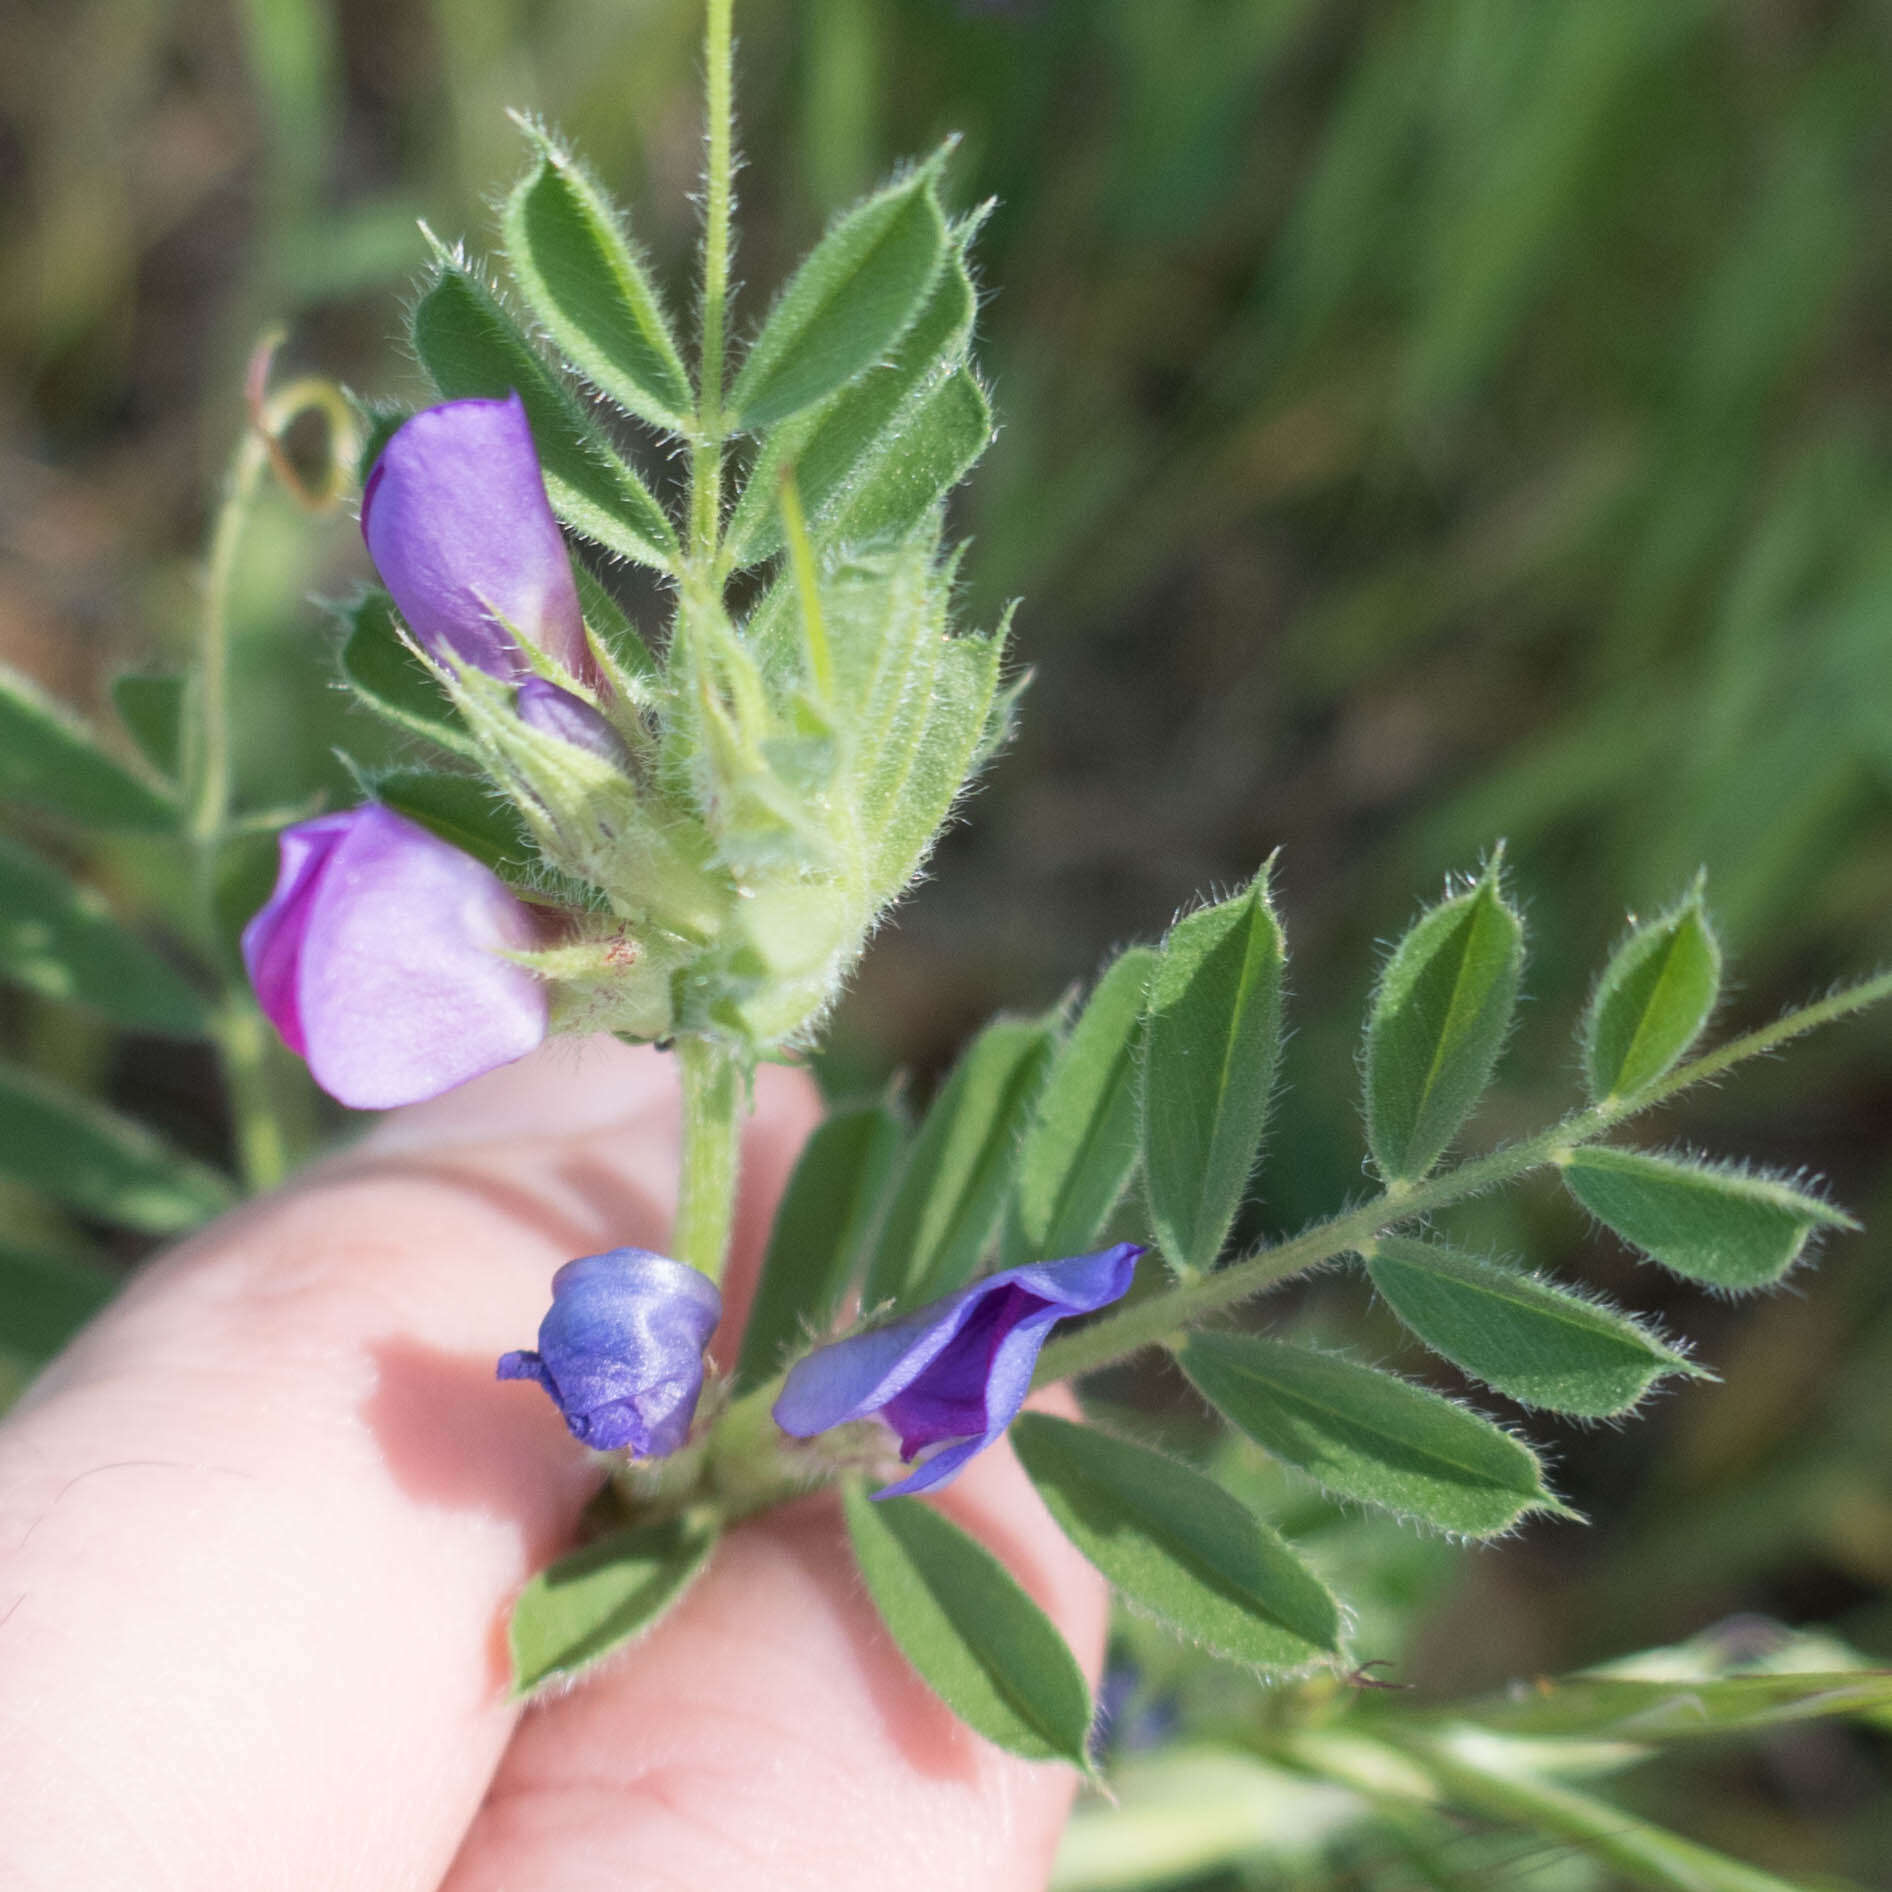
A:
x,y
687,834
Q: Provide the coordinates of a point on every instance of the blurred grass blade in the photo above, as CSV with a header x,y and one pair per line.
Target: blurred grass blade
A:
x,y
1726,1228
152,710
1210,1047
1534,1342
577,268
101,1164
50,760
1438,1021
1364,1434
60,940
595,1601
1081,1148
1654,997
45,1299
823,1226
847,304
959,1168
972,1635
1178,1546
472,347
394,680
1613,1708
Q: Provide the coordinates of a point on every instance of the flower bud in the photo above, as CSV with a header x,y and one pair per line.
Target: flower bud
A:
x,y
379,957
459,527
950,1378
621,1349
554,712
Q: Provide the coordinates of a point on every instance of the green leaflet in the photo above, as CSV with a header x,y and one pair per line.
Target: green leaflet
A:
x,y
823,1225
45,1299
843,447
1081,1147
1365,1434
152,710
577,268
1439,1018
1725,1228
1625,1708
471,347
974,1637
60,940
588,1605
1174,1543
394,680
945,432
959,1167
50,760
1539,1344
605,619
1211,1043
1654,997
860,287
462,809
99,1163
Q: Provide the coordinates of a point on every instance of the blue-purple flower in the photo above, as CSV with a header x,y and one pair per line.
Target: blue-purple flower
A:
x,y
621,1349
380,957
951,1377
459,527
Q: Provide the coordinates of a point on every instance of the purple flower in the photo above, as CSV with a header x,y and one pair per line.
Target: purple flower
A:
x,y
621,1350
554,712
458,525
379,959
953,1375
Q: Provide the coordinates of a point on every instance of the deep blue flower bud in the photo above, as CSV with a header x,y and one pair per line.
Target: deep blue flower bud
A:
x,y
951,1377
621,1349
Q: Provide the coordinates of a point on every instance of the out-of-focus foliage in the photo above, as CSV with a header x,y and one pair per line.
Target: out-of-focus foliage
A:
x,y
1422,420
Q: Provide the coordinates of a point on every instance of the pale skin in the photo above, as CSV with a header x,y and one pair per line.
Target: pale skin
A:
x,y
260,1527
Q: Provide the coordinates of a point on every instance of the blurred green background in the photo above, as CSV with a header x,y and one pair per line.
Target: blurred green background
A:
x,y
1422,422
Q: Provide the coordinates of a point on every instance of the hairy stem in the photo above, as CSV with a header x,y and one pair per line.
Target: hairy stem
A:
x,y
706,457
1154,1321
713,1095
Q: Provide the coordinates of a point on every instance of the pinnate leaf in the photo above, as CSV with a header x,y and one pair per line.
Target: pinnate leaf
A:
x,y
823,1226
576,266
1174,1543
1654,997
98,1162
1210,1047
152,710
1725,1228
394,680
847,304
1439,1018
50,760
472,348
60,941
1538,1344
594,1602
972,1635
959,1169
1081,1148
1364,1434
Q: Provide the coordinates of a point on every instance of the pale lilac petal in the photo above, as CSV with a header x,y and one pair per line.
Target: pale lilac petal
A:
x,y
621,1349
545,707
380,959
459,527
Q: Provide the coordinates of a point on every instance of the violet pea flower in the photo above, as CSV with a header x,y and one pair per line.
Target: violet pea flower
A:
x,y
379,959
951,1377
621,1349
459,527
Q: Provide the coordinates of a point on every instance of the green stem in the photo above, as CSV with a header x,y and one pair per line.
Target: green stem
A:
x,y
243,1046
706,457
713,1091
1155,1321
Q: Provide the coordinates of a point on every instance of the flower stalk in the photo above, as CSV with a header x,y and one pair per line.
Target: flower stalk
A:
x,y
714,1093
